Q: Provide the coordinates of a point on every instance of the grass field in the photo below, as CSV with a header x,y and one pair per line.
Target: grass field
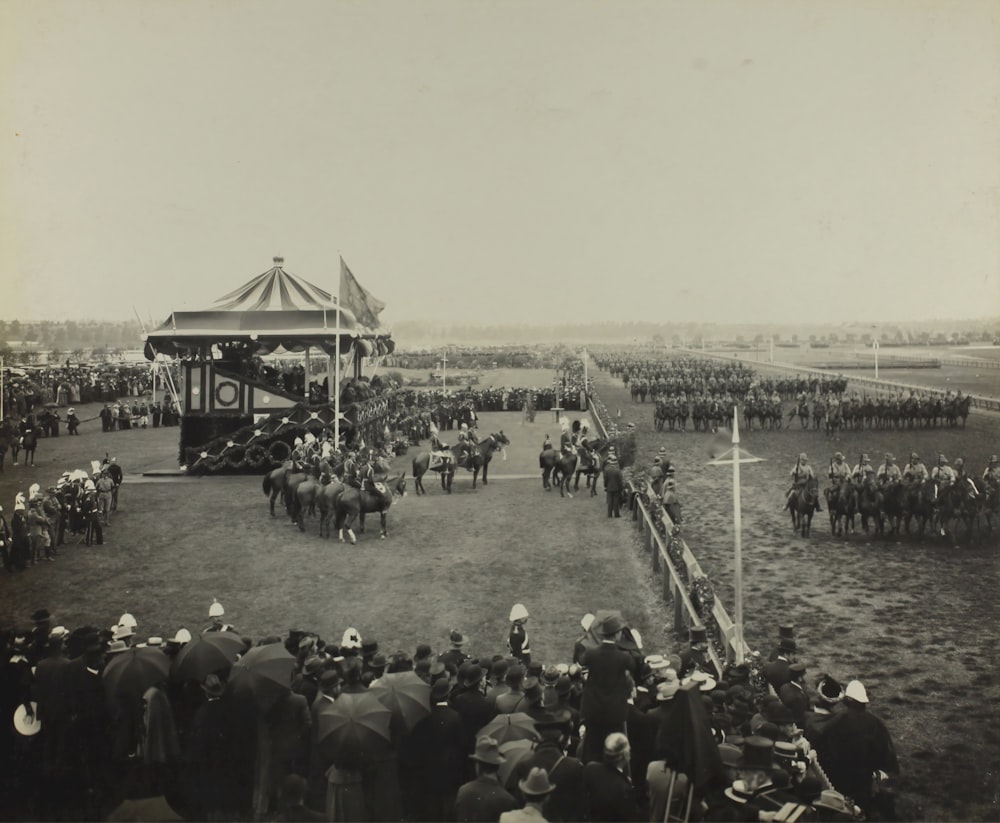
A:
x,y
916,622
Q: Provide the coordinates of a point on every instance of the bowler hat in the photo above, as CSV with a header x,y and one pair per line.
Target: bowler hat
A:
x,y
471,673
779,714
440,689
536,783
757,753
369,647
612,625
423,651
487,751
40,615
515,674
117,647
555,716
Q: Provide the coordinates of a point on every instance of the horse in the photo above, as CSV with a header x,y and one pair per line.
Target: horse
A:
x,y
957,409
306,495
819,413
834,421
590,462
802,504
802,410
921,500
480,458
274,482
326,501
870,501
355,504
29,441
958,503
559,468
6,436
842,503
893,507
989,506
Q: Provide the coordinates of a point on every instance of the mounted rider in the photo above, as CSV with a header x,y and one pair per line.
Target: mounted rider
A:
x,y
839,472
888,472
861,471
298,455
350,469
467,442
991,474
943,474
801,474
915,471
565,438
366,475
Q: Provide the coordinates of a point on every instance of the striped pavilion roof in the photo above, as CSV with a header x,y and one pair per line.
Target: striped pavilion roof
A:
x,y
276,290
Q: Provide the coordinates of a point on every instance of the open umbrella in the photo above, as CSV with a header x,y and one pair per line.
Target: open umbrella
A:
x,y
685,739
506,727
129,674
353,730
206,654
263,674
514,752
406,696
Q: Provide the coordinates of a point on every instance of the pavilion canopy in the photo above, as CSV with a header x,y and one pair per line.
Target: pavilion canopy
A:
x,y
275,309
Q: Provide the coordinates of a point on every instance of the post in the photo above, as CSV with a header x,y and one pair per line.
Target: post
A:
x,y
335,388
875,348
738,537
772,348
444,370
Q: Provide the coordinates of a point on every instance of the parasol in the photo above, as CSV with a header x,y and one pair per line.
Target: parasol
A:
x,y
507,727
353,730
130,673
207,654
28,726
406,696
263,674
514,752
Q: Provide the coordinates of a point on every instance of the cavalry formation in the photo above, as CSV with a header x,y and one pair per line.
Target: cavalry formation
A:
x,y
890,502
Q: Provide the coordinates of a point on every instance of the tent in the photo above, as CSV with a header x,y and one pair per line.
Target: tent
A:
x,y
275,309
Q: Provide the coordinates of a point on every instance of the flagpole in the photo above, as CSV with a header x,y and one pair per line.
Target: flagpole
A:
x,y
336,379
738,539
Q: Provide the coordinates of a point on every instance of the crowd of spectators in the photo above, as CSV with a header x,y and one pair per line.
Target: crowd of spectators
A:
x,y
127,718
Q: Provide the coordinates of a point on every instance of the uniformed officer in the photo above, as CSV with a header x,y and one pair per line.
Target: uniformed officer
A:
x,y
216,613
671,502
366,476
991,474
943,474
466,439
517,639
801,472
863,469
915,471
350,469
839,470
888,472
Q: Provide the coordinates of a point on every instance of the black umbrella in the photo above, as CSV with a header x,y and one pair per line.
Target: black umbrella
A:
x,y
263,674
129,674
353,730
207,654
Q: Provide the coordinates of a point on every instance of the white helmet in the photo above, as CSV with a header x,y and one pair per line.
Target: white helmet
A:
x,y
351,639
127,620
518,612
216,610
182,636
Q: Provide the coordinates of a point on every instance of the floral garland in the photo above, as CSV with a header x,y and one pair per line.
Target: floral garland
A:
x,y
703,597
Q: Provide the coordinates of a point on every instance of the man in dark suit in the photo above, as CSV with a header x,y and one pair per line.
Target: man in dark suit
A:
x,y
484,799
609,792
614,486
606,690
432,760
567,802
778,671
471,704
793,693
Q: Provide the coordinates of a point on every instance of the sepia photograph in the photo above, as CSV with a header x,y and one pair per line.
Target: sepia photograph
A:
x,y
500,411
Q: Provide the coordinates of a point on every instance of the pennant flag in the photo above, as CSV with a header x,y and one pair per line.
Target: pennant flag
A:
x,y
364,305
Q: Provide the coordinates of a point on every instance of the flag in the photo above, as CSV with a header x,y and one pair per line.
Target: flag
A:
x,y
365,306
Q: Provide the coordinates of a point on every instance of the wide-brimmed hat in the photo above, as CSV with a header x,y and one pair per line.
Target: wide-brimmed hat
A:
x,y
456,638
487,751
838,456
994,459
536,783
656,662
704,680
121,632
833,800
117,647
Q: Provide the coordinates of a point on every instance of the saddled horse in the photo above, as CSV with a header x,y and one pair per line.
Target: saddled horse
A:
x,y
818,413
989,502
893,507
956,410
326,501
802,410
590,462
842,503
6,436
802,504
870,501
958,504
834,421
28,443
476,461
921,500
353,504
306,495
277,482
558,468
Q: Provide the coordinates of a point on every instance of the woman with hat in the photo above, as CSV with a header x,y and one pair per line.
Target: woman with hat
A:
x,y
72,422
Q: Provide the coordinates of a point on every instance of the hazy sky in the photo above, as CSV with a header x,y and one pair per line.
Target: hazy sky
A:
x,y
511,161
